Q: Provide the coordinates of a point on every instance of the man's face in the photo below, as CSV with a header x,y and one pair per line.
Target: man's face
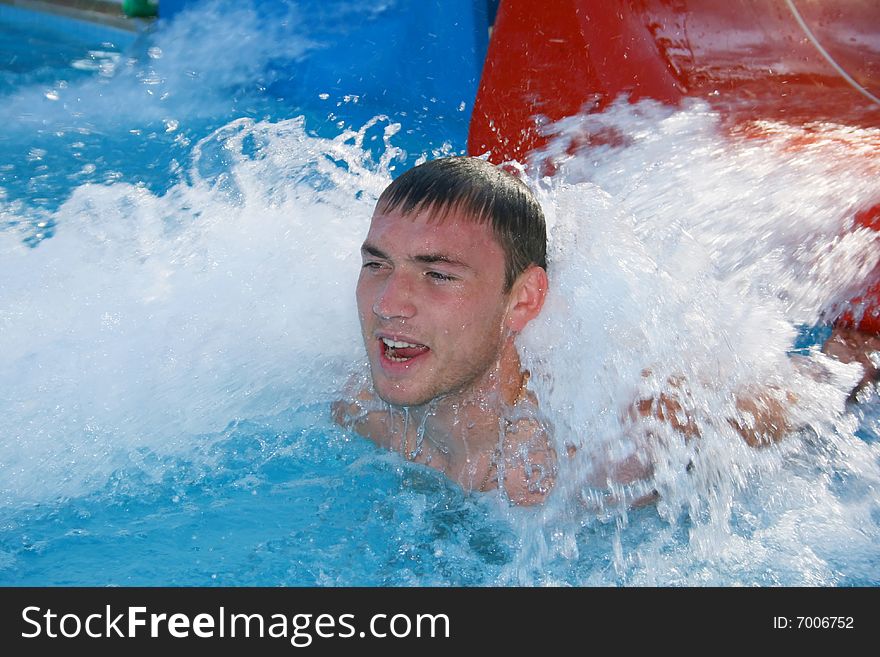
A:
x,y
432,304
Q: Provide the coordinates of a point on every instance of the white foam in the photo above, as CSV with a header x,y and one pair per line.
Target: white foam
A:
x,y
148,320
696,254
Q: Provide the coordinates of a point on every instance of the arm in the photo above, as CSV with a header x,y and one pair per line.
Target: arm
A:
x,y
763,414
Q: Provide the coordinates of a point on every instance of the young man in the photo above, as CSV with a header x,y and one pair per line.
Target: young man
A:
x,y
454,267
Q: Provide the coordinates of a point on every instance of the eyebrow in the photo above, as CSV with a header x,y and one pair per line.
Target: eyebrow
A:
x,y
433,258
424,258
369,249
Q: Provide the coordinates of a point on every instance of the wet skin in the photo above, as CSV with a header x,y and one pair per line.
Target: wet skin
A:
x,y
439,326
438,287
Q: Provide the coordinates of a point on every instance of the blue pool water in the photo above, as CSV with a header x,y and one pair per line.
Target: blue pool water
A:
x,y
177,262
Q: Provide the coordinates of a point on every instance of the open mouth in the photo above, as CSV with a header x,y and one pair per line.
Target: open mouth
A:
x,y
398,351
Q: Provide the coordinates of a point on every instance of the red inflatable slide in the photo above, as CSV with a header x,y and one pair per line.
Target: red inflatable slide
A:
x,y
796,61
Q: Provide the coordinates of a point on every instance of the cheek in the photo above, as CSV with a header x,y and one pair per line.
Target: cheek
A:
x,y
452,314
481,319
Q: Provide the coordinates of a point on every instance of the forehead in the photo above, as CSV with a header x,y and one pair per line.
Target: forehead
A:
x,y
445,232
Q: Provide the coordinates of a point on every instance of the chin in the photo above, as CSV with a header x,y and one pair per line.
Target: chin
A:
x,y
398,398
395,396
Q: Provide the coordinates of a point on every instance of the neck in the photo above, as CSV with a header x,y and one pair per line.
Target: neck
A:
x,y
512,379
473,414
503,384
460,433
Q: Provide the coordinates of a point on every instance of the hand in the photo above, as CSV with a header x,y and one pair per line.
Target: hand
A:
x,y
764,416
849,345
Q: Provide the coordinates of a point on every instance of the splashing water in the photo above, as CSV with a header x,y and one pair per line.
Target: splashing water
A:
x,y
696,254
170,350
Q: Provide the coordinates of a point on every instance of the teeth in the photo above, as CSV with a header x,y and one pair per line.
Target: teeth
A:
x,y
395,344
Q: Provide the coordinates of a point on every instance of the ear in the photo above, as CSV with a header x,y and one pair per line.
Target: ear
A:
x,y
526,298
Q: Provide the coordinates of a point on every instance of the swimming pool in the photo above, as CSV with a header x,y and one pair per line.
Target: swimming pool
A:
x,y
178,261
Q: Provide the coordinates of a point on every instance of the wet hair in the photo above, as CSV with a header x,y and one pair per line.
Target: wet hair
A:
x,y
483,192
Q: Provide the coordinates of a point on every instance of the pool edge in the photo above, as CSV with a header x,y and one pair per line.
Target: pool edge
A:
x,y
102,12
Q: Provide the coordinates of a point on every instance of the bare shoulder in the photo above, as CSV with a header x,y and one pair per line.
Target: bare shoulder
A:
x,y
361,411
528,461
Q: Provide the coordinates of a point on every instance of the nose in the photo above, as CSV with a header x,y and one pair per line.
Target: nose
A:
x,y
395,299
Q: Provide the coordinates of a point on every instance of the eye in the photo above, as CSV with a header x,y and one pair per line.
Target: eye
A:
x,y
439,276
372,265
